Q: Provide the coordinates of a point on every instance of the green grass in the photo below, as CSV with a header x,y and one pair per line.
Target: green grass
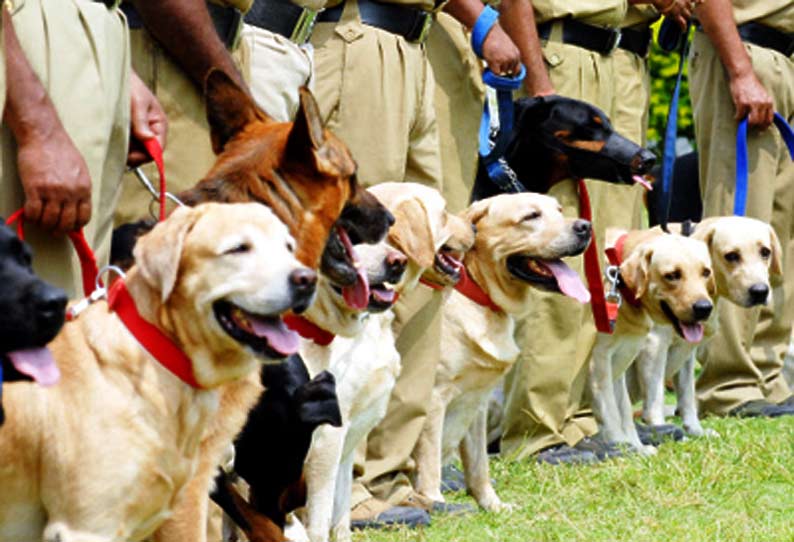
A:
x,y
738,487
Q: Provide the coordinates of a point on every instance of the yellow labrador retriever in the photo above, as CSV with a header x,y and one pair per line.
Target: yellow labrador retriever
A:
x,y
745,252
363,358
519,241
104,455
668,281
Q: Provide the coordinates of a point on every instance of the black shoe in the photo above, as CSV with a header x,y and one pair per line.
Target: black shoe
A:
x,y
452,479
761,409
452,508
788,403
406,516
654,435
565,455
602,450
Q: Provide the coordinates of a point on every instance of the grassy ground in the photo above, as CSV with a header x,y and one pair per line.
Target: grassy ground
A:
x,y
739,487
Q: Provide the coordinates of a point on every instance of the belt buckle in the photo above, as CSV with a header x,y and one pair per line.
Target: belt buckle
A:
x,y
304,26
426,24
614,40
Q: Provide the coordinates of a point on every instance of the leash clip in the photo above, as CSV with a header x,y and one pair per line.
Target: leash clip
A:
x,y
100,292
612,275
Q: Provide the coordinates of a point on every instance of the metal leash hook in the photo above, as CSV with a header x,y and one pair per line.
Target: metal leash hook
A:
x,y
147,184
100,292
612,276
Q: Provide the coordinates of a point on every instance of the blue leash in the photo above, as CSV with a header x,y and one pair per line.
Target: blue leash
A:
x,y
671,133
743,162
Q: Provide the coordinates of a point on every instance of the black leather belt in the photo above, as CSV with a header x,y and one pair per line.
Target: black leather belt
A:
x,y
411,23
593,38
227,20
768,37
282,17
635,40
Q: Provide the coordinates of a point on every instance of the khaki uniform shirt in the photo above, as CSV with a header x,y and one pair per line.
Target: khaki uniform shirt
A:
x,y
640,15
778,14
426,5
242,5
609,13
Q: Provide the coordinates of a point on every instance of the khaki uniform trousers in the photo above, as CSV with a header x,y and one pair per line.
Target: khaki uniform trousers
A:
x,y
80,51
458,103
744,360
277,69
375,92
545,393
188,152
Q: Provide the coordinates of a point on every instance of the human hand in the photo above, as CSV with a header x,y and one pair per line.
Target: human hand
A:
x,y
501,54
54,177
678,10
147,120
752,100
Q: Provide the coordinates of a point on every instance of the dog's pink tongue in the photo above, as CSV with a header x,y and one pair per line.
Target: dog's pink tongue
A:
x,y
383,295
356,296
693,333
279,337
641,181
568,281
38,364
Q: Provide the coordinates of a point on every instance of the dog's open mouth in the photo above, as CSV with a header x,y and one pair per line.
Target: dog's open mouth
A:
x,y
448,264
551,275
265,335
381,297
35,364
342,267
691,333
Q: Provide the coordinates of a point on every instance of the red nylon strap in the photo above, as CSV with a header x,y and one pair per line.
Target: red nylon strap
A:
x,y
308,330
88,265
156,152
154,341
468,288
602,313
615,256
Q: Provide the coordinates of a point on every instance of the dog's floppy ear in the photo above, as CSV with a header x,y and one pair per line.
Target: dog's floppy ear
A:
x,y
476,211
776,265
229,108
411,232
636,271
157,254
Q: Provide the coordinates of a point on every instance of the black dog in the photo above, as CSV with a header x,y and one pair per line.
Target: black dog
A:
x,y
270,451
31,314
556,138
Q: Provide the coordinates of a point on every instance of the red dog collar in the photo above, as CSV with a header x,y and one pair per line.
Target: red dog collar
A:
x,y
151,338
615,256
468,288
308,329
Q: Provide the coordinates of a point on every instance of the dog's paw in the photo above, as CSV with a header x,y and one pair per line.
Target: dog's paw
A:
x,y
696,430
501,507
647,450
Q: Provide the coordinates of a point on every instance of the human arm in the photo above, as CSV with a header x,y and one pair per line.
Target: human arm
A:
x,y
679,10
52,171
184,29
147,120
749,96
518,20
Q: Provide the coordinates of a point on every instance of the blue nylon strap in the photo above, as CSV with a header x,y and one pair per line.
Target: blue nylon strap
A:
x,y
743,161
490,154
671,134
482,26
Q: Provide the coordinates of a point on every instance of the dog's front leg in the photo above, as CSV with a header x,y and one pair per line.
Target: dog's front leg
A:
x,y
429,449
321,469
189,520
651,368
685,397
605,408
628,429
474,455
344,487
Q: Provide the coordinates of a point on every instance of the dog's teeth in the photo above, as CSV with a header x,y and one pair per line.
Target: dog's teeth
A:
x,y
388,286
357,265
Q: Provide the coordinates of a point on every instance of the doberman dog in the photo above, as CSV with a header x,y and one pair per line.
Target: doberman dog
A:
x,y
556,138
31,314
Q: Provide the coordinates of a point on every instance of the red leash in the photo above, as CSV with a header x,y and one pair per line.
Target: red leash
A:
x,y
604,314
156,152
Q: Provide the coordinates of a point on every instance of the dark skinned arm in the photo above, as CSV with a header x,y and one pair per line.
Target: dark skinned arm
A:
x,y
678,10
518,20
52,171
184,29
748,94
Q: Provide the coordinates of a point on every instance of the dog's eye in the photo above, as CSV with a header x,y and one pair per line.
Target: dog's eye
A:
x,y
765,253
706,273
733,257
239,249
534,215
290,247
672,276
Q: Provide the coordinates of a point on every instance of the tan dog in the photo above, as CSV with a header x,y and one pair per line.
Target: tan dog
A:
x,y
518,245
104,455
744,253
671,281
363,358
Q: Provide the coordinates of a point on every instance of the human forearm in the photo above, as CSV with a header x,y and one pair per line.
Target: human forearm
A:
x,y
184,29
716,17
518,21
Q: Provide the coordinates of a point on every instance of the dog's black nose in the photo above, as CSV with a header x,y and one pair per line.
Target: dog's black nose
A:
x,y
759,293
50,303
643,161
389,218
396,262
582,229
302,283
702,309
